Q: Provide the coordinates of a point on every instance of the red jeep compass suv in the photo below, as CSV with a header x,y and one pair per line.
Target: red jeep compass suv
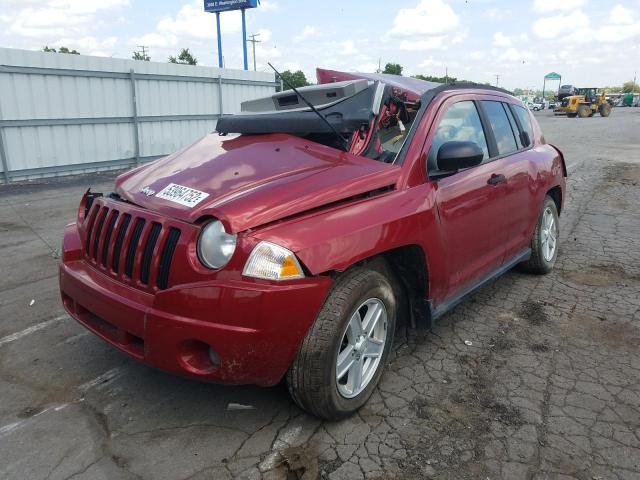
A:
x,y
288,244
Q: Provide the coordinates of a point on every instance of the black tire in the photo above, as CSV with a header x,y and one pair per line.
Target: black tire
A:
x,y
571,115
538,264
583,111
605,110
312,376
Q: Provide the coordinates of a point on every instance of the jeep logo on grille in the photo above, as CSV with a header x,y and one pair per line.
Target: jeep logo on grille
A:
x,y
148,191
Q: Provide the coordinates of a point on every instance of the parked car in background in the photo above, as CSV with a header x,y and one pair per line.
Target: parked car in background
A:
x,y
535,106
566,91
290,247
552,104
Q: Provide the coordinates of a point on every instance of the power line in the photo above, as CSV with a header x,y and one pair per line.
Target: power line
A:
x,y
254,41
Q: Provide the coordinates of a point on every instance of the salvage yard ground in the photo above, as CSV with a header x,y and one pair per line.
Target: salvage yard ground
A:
x,y
533,377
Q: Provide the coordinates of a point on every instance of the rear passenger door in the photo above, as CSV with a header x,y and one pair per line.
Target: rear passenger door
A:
x,y
512,152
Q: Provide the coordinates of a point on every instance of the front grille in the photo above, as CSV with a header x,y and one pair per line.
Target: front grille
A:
x,y
129,246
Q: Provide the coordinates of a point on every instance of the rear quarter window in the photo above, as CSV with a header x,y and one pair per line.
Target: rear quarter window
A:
x,y
525,120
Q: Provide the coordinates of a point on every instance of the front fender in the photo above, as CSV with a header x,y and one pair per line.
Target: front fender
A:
x,y
337,238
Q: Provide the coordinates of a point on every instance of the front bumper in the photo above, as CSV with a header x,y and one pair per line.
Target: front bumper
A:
x,y
226,331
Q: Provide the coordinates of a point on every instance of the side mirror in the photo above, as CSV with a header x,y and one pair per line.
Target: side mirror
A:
x,y
455,155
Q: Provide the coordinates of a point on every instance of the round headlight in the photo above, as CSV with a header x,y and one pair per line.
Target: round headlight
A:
x,y
215,245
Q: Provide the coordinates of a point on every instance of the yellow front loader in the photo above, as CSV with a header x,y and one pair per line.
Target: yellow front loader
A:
x,y
586,104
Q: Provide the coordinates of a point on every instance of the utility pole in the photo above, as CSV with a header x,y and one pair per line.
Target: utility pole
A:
x,y
254,41
379,65
143,52
446,74
497,79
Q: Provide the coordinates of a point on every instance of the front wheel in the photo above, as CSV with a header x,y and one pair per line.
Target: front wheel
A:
x,y
344,352
544,243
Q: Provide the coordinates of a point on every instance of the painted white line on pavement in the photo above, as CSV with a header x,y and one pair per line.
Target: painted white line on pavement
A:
x,y
28,331
6,429
104,378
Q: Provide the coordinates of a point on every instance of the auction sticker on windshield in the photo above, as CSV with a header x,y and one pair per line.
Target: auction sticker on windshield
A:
x,y
183,195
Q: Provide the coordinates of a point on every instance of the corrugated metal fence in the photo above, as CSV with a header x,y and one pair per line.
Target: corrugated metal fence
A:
x,y
62,114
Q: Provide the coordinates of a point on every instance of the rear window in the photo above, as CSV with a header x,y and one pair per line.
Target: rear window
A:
x,y
505,138
525,120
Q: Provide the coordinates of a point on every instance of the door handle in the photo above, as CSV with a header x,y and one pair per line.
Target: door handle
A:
x,y
496,179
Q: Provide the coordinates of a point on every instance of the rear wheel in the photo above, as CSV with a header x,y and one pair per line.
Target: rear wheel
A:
x,y
583,111
605,110
544,243
344,352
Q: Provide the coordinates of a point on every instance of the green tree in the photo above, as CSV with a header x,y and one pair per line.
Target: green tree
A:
x,y
431,78
184,58
630,87
142,56
61,50
297,79
393,69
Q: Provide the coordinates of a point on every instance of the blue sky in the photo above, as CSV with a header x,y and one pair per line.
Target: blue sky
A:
x,y
590,42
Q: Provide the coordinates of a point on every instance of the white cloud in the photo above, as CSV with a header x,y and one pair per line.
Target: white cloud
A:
x,y
617,33
620,15
268,6
347,48
546,6
192,21
430,43
32,23
501,40
369,67
554,26
307,31
497,13
429,17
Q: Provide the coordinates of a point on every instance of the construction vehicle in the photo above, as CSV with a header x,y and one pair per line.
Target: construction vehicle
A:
x,y
586,103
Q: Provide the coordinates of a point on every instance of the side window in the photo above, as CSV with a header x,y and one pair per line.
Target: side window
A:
x,y
505,139
525,121
460,122
514,125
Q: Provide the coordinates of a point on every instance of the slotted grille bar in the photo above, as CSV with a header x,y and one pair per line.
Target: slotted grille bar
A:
x,y
98,232
166,257
133,246
117,248
148,251
107,237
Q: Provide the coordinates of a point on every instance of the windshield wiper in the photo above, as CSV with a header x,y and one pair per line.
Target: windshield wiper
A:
x,y
343,142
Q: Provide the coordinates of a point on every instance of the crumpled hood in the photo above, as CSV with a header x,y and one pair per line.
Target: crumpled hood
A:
x,y
254,180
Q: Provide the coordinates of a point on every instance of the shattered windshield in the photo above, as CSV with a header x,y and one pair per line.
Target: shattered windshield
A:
x,y
367,118
391,129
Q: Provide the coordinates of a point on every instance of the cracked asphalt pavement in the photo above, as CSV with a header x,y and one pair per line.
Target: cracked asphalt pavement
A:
x,y
548,389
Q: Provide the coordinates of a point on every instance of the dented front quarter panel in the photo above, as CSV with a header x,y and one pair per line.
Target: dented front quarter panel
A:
x,y
336,238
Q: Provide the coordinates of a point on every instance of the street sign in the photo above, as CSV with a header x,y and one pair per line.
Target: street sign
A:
x,y
552,76
216,6
219,6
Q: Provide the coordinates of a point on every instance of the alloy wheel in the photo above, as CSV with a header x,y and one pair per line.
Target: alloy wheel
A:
x,y
361,347
549,234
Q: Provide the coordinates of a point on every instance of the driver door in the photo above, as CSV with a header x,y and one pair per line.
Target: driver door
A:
x,y
470,203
